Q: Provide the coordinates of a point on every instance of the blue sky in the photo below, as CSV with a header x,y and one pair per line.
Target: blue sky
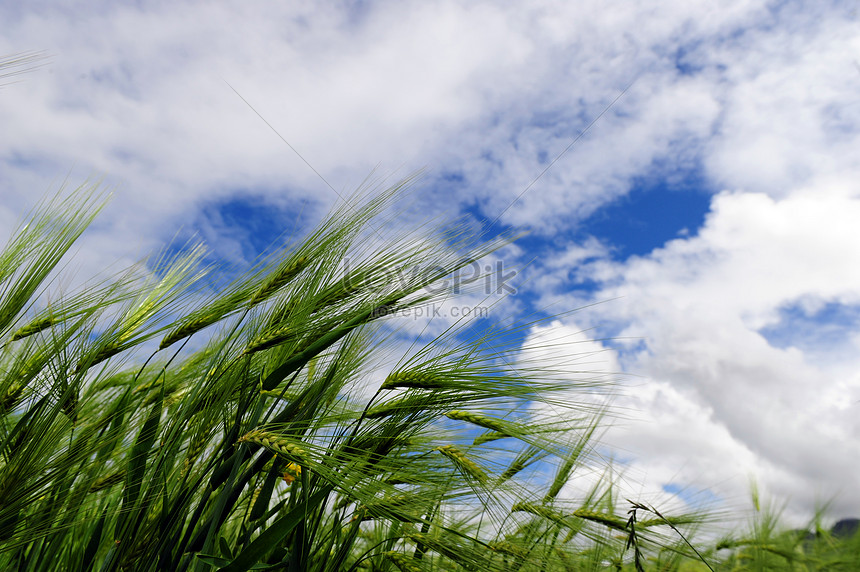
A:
x,y
654,211
703,225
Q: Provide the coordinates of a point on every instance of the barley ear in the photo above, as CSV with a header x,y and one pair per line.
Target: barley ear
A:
x,y
191,325
275,443
33,327
467,466
477,419
270,339
280,279
608,520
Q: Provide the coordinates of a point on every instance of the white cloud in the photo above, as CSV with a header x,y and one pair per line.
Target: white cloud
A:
x,y
138,93
719,402
791,114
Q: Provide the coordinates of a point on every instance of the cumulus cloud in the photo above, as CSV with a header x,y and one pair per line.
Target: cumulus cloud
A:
x,y
493,92
689,318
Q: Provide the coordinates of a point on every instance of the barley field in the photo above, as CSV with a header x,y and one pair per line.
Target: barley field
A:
x,y
151,422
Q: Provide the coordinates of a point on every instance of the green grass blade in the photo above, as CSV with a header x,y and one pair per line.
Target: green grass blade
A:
x,y
275,533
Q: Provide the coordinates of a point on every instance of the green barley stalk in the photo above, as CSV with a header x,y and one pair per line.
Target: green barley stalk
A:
x,y
258,445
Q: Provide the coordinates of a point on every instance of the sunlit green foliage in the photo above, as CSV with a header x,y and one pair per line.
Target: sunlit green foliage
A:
x,y
148,423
